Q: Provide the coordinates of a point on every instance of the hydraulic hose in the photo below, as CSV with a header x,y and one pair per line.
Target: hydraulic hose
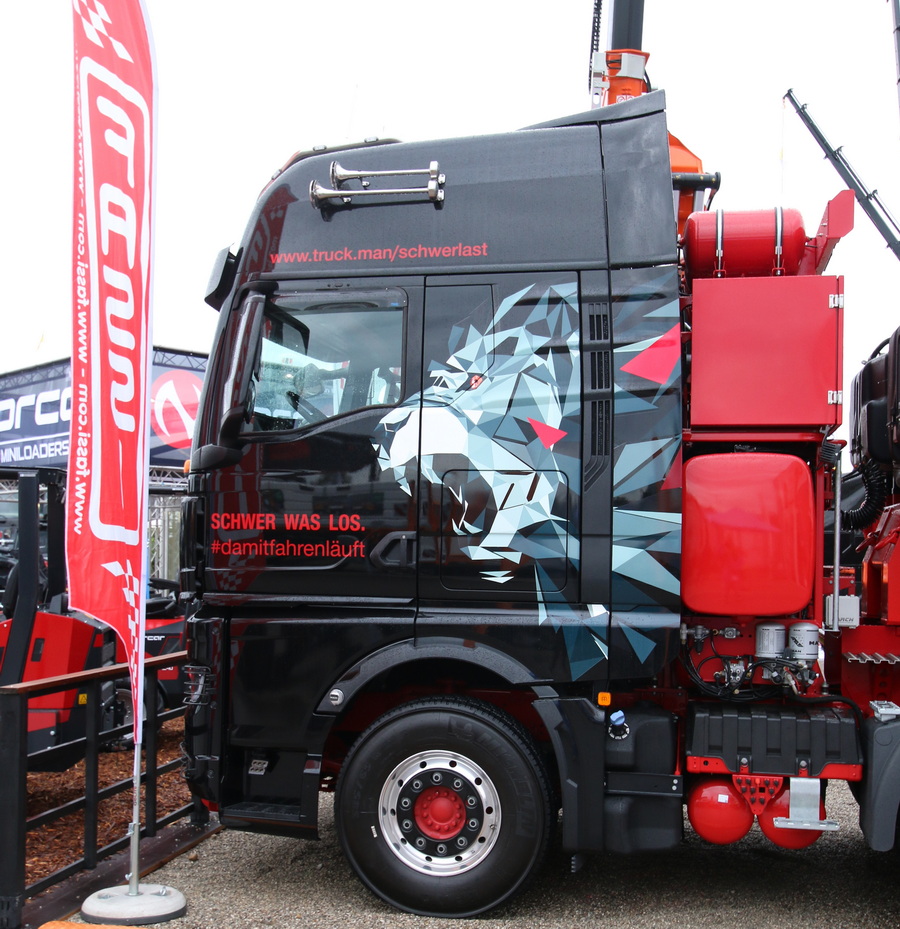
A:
x,y
875,482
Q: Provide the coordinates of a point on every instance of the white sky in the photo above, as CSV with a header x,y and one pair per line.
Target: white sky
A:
x,y
242,86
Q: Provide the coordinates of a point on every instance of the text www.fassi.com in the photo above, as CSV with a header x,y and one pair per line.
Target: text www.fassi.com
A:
x,y
394,253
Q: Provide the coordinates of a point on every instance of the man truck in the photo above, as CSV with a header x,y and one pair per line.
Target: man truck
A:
x,y
508,499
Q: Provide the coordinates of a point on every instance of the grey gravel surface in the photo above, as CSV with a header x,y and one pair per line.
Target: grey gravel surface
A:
x,y
237,880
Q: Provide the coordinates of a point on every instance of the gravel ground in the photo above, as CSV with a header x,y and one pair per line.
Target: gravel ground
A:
x,y
237,880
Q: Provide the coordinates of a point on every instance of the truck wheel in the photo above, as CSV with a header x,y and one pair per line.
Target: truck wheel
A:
x,y
443,807
124,709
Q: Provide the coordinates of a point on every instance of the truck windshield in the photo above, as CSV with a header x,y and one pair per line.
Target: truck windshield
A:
x,y
325,355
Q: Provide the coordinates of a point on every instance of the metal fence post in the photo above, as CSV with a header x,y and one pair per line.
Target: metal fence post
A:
x,y
151,746
13,800
92,772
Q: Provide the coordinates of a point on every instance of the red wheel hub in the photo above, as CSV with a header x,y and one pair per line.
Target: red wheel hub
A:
x,y
439,812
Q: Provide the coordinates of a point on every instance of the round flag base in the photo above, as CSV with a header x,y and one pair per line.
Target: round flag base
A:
x,y
153,903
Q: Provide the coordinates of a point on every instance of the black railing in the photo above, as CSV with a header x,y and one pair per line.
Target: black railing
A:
x,y
15,761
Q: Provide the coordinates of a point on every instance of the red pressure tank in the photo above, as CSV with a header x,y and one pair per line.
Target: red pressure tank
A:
x,y
717,811
751,243
794,839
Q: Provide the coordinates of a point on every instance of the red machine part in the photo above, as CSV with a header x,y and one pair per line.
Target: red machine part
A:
x,y
59,645
841,772
881,600
440,813
683,160
752,243
761,242
757,789
722,809
837,221
750,337
751,516
625,70
717,810
779,807
870,664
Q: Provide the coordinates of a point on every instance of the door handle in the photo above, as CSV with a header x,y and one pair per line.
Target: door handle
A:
x,y
395,550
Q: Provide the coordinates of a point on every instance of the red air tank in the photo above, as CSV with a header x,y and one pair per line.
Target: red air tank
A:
x,y
717,811
794,839
752,243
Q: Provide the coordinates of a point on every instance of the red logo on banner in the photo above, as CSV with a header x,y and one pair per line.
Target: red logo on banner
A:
x,y
174,399
108,465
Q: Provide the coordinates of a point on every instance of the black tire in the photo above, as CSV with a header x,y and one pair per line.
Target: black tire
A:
x,y
11,592
443,808
125,708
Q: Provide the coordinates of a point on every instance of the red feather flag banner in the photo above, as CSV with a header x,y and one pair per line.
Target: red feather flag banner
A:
x,y
109,452
106,499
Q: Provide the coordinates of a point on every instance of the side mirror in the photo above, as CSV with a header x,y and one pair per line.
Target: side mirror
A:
x,y
237,399
237,388
221,280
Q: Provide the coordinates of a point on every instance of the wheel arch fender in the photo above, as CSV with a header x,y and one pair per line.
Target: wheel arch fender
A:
x,y
482,657
879,792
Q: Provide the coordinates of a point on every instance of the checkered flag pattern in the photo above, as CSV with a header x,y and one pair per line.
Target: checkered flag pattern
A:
x,y
94,20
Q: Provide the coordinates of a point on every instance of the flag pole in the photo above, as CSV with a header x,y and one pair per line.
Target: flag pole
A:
x,y
108,494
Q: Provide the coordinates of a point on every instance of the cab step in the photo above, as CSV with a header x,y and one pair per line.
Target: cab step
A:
x,y
265,812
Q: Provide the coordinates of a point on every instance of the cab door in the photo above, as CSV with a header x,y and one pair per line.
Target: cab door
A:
x,y
501,433
306,509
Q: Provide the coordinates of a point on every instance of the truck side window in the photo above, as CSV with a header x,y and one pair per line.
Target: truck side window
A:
x,y
326,354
